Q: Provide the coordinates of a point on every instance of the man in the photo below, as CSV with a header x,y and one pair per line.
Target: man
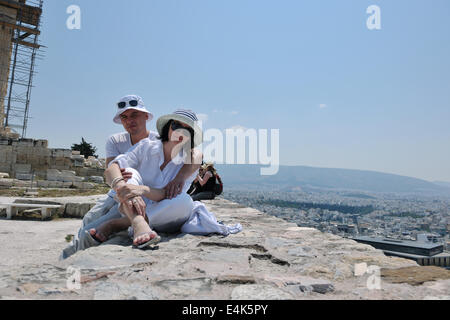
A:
x,y
133,115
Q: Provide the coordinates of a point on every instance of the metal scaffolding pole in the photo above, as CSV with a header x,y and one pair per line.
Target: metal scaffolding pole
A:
x,y
23,18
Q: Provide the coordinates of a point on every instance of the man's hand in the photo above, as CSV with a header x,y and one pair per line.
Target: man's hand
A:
x,y
174,188
135,204
126,192
139,204
126,175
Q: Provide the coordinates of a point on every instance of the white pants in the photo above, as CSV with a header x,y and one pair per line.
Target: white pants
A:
x,y
166,216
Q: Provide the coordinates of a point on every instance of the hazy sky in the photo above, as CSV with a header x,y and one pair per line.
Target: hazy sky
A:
x,y
342,96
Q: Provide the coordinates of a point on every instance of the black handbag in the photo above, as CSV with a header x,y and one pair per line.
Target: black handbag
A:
x,y
218,187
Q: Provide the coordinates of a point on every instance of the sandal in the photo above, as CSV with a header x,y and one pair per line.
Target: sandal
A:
x,y
93,237
144,245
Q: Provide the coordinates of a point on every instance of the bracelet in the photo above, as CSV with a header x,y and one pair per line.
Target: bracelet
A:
x,y
116,181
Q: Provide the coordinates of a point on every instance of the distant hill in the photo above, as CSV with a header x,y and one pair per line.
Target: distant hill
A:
x,y
442,183
327,178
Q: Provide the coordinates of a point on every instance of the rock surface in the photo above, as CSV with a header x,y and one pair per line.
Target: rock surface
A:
x,y
269,259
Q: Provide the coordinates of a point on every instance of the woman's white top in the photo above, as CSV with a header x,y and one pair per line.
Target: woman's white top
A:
x,y
147,157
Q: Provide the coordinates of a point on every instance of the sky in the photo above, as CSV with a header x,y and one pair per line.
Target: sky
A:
x,y
341,95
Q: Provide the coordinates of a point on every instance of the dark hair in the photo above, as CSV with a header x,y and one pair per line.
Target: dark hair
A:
x,y
165,134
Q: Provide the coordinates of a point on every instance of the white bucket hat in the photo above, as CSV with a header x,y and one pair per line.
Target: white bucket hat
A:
x,y
186,116
131,102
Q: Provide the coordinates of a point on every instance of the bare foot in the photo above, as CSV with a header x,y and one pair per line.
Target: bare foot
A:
x,y
142,231
102,233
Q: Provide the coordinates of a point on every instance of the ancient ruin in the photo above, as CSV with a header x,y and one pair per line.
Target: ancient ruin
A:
x,y
29,162
19,49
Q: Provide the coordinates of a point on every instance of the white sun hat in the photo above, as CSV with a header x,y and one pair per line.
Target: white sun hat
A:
x,y
186,116
132,102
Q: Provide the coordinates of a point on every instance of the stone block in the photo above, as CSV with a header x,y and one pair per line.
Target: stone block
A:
x,y
77,157
82,172
59,161
52,177
68,173
6,183
41,143
21,183
71,179
23,168
6,148
97,179
24,176
78,164
88,185
5,168
56,184
43,184
58,153
83,185
4,175
67,184
77,210
21,158
26,143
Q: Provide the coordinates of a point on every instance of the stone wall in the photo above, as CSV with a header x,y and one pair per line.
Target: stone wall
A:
x,y
22,157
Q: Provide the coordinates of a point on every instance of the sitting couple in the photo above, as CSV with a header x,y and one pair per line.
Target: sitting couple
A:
x,y
149,181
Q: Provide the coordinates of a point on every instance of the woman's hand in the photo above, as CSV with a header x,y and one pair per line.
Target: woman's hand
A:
x,y
174,188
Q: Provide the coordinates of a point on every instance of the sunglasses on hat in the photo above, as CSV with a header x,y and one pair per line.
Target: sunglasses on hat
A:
x,y
132,103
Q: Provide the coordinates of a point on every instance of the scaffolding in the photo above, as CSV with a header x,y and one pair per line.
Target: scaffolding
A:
x,y
20,22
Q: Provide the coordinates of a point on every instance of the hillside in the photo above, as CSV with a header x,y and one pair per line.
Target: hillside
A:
x,y
328,178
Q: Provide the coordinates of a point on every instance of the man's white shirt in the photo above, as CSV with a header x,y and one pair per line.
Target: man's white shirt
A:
x,y
120,143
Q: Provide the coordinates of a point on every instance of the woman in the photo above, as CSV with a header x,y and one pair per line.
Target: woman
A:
x,y
206,183
195,186
154,164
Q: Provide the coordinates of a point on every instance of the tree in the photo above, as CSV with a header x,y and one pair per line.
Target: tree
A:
x,y
86,149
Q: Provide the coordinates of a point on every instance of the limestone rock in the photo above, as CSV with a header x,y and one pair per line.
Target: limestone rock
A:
x,y
123,291
97,179
4,175
77,209
269,259
259,292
